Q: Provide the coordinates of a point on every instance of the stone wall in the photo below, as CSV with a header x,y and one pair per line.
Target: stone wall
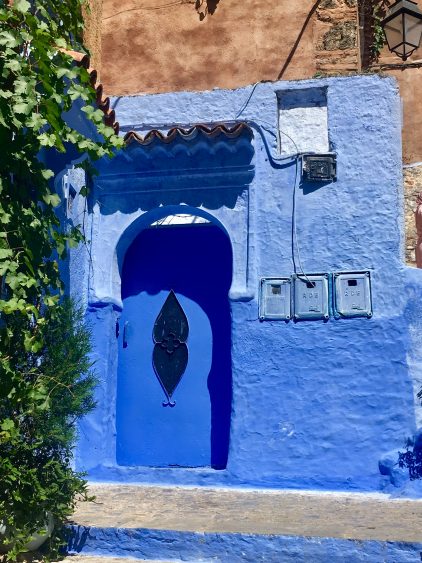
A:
x,y
412,178
336,37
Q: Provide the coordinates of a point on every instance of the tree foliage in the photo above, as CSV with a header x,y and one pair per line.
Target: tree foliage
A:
x,y
44,387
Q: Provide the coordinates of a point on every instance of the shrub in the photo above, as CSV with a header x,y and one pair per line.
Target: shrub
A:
x,y
38,427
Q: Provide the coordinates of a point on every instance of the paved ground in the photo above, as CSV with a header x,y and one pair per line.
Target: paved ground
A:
x,y
34,557
253,511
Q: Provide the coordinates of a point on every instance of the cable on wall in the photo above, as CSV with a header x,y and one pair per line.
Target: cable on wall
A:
x,y
295,248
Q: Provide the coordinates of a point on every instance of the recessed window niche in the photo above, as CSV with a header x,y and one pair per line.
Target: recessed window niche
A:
x,y
303,121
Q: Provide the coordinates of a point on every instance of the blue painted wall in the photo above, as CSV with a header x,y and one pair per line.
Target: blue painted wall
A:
x,y
314,404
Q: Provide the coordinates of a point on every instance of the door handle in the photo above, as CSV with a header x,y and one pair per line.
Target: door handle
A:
x,y
125,334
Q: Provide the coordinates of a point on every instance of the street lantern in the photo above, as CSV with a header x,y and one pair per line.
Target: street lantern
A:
x,y
403,28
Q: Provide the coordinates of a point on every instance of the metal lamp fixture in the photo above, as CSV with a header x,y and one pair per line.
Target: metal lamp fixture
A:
x,y
403,28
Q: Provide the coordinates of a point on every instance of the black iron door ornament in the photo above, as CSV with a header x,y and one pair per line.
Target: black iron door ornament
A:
x,y
170,356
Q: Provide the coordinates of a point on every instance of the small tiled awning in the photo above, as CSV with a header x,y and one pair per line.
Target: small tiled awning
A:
x,y
179,133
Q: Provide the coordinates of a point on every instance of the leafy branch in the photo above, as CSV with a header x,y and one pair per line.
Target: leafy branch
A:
x,y
46,381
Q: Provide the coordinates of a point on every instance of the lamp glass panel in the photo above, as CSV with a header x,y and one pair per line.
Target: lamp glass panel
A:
x,y
413,30
394,32
401,50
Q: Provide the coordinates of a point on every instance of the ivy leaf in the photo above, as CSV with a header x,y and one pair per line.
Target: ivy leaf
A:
x,y
47,174
21,6
7,424
5,253
23,107
35,121
14,65
46,140
73,243
4,217
52,199
7,38
60,42
4,267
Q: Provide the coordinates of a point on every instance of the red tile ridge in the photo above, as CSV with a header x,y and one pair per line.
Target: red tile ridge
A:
x,y
209,131
82,59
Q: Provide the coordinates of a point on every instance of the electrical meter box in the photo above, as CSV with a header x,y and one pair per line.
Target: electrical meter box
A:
x,y
311,296
275,299
352,294
319,167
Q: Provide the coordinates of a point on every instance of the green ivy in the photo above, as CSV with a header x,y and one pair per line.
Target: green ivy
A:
x,y
378,38
45,384
379,10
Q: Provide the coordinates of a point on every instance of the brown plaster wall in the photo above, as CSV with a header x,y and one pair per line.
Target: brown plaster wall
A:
x,y
162,45
92,30
410,85
409,80
408,75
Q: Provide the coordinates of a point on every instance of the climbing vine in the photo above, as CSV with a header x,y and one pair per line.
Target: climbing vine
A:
x,y
378,38
371,14
45,378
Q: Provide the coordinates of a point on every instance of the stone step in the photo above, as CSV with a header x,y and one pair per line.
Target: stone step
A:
x,y
220,524
104,559
253,511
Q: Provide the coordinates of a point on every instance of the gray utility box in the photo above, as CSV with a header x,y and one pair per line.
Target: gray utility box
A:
x,y
311,293
275,299
352,294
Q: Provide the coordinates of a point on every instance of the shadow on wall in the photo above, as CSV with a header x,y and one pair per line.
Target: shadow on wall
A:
x,y
206,7
298,40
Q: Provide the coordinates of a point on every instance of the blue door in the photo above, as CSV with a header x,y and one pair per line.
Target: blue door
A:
x,y
174,373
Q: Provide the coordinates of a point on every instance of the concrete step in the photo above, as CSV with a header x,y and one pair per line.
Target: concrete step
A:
x,y
220,524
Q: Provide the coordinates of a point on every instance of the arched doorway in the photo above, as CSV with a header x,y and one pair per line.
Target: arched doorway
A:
x,y
188,267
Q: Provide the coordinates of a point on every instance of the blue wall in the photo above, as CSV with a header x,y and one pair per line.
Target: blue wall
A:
x,y
315,404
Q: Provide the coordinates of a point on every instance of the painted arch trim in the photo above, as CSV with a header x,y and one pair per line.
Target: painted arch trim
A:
x,y
112,236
